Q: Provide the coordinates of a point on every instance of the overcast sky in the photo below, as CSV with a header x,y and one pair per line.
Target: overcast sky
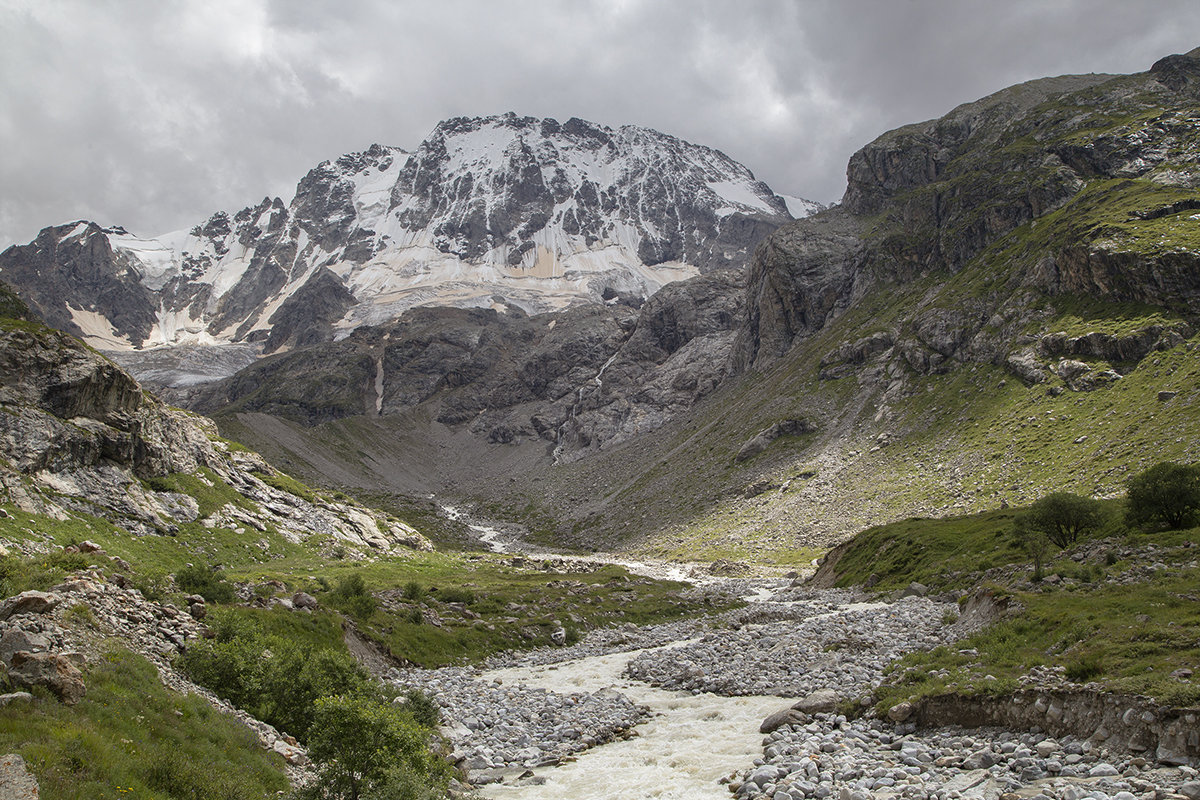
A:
x,y
153,114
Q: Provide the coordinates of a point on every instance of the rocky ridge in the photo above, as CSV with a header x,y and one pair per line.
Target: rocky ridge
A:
x,y
487,212
78,436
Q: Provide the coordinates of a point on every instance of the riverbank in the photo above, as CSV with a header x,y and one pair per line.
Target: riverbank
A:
x,y
680,710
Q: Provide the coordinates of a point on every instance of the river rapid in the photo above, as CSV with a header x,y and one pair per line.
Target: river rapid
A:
x,y
679,711
688,744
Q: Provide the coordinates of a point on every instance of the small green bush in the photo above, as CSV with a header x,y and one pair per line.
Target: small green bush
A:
x,y
364,748
422,707
206,582
272,677
414,591
352,596
1167,493
1082,670
456,594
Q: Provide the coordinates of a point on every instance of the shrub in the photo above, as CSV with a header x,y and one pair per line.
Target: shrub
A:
x,y
206,582
1034,541
367,748
272,677
414,591
457,595
1063,517
422,707
1084,669
351,595
295,677
1167,493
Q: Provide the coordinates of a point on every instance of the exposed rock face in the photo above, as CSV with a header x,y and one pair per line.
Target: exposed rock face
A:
x,y
797,279
762,440
81,267
1133,724
55,672
485,212
77,434
933,199
578,379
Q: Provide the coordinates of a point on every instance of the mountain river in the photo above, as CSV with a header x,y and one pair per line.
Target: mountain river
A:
x,y
689,743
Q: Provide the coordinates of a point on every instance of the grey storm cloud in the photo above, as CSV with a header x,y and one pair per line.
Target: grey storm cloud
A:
x,y
152,114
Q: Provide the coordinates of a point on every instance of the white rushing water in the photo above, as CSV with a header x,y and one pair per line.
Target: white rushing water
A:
x,y
488,535
688,745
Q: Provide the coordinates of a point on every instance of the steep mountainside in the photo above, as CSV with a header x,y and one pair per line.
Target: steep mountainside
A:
x,y
80,440
1004,304
570,382
492,212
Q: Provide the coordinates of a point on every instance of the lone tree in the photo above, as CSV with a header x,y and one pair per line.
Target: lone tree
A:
x,y
1168,493
1062,517
366,749
1033,541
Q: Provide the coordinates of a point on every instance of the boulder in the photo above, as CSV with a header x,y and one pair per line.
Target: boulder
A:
x,y
304,600
900,711
52,671
761,440
786,716
16,782
14,641
30,602
821,701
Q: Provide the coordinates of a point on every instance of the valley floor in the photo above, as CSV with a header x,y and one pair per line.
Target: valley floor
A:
x,y
679,711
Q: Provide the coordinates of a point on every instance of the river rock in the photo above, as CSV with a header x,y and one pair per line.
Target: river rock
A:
x,y
822,700
786,716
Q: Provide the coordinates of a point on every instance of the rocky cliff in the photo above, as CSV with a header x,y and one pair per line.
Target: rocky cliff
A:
x,y
1078,185
572,381
79,438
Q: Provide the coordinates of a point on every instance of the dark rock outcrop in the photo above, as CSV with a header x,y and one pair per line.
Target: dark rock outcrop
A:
x,y
930,200
76,266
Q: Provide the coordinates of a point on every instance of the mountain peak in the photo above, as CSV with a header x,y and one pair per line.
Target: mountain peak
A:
x,y
503,211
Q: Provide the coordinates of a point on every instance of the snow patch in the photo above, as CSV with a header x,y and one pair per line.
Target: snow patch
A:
x,y
800,208
740,194
97,330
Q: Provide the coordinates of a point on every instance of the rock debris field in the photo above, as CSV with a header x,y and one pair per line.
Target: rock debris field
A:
x,y
818,647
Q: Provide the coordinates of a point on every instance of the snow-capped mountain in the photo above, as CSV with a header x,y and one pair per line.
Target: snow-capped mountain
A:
x,y
498,212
